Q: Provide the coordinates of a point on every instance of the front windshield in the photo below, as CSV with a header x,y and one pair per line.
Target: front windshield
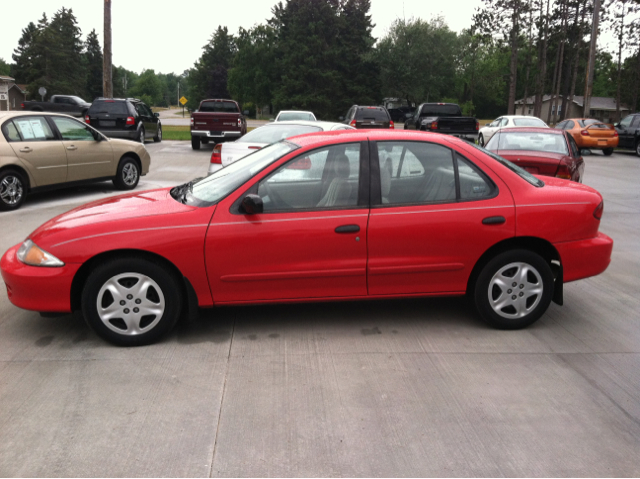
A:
x,y
528,141
296,116
272,133
522,173
528,122
214,187
78,99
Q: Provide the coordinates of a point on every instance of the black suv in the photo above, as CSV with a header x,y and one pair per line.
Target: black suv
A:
x,y
124,118
629,132
365,117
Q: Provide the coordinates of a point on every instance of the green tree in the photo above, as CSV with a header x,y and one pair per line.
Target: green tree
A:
x,y
93,63
23,54
149,86
208,78
5,68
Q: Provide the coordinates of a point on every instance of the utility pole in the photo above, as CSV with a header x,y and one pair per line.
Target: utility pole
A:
x,y
588,86
107,84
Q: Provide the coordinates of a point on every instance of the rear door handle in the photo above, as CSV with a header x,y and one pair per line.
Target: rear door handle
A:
x,y
26,149
347,229
494,220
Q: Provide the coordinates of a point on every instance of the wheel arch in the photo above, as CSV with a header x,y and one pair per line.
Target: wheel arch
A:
x,y
20,170
85,270
537,245
131,154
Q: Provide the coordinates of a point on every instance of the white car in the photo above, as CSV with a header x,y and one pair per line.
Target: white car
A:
x,y
226,153
293,115
507,121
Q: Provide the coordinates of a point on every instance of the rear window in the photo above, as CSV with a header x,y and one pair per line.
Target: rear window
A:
x,y
219,107
272,133
295,115
441,110
110,107
593,124
522,173
528,141
528,122
376,114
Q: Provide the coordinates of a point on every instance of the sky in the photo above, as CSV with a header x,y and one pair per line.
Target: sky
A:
x,y
169,36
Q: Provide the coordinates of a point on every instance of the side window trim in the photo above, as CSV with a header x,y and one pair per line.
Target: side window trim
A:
x,y
6,135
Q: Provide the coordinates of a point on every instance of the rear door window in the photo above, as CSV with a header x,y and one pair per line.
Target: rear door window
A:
x,y
34,128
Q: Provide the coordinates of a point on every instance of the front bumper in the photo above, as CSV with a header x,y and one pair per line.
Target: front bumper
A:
x,y
585,258
216,134
37,288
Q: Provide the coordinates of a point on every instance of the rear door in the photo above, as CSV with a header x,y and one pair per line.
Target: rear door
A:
x,y
40,150
625,131
427,229
86,157
148,120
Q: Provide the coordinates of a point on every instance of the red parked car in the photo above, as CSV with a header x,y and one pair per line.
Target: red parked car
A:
x,y
541,151
320,217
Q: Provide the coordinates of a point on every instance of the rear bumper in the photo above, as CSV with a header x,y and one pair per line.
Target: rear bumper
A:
x,y
125,134
216,134
585,258
598,143
37,288
213,167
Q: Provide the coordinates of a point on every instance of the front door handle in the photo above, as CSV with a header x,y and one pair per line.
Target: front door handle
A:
x,y
72,147
347,229
494,220
26,149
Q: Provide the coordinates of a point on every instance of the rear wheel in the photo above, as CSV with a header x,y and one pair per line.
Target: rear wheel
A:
x,y
158,136
607,151
638,148
514,289
195,143
481,140
128,174
131,302
141,136
13,190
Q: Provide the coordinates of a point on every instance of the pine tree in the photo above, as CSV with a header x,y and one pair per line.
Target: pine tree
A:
x,y
23,54
93,64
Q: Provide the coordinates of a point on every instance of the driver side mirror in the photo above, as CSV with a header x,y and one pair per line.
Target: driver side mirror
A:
x,y
252,204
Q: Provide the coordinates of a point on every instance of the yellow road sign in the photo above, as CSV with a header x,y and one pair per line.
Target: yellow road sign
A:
x,y
183,100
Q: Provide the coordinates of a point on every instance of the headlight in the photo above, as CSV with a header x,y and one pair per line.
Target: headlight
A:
x,y
29,253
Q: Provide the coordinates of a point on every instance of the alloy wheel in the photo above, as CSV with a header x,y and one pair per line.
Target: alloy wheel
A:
x,y
11,190
129,174
515,290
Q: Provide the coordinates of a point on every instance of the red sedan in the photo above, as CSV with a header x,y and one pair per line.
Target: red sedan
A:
x,y
320,217
541,151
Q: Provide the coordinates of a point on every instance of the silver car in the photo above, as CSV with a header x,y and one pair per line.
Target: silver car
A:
x,y
226,153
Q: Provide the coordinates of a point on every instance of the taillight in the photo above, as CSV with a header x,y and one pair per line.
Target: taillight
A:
x,y
585,133
353,122
191,121
434,125
477,125
391,125
87,120
615,133
563,172
216,155
239,122
22,105
131,120
597,213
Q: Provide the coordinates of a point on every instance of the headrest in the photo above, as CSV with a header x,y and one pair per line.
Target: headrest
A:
x,y
341,166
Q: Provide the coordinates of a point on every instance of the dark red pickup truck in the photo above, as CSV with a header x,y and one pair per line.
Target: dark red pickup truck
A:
x,y
217,120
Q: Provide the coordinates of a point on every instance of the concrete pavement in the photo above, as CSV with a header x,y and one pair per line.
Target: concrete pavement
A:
x,y
386,388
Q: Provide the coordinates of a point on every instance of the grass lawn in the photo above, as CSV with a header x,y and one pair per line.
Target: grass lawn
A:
x,y
180,133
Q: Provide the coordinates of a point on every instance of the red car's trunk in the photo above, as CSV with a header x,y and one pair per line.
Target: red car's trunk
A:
x,y
536,162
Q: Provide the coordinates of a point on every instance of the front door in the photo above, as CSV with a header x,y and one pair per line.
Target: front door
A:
x,y
87,158
38,148
625,131
426,232
309,242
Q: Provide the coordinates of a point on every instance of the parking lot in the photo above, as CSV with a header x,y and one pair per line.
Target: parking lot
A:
x,y
417,387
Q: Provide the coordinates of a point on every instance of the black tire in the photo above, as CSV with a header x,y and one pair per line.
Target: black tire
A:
x,y
128,174
638,148
158,137
607,151
113,283
481,140
13,190
141,137
195,143
530,303
205,141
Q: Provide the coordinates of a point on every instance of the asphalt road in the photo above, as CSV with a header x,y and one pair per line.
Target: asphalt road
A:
x,y
415,387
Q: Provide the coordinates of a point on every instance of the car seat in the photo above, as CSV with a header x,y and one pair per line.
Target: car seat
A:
x,y
339,189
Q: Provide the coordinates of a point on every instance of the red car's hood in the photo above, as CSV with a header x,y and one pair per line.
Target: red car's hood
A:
x,y
115,208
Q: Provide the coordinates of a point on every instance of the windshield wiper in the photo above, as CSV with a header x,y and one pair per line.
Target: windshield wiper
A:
x,y
180,192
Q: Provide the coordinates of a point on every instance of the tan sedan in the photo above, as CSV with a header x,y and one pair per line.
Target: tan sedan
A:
x,y
40,151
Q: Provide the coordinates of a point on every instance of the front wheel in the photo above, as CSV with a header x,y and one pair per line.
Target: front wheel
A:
x,y
514,289
481,140
131,302
128,174
638,148
13,190
195,143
